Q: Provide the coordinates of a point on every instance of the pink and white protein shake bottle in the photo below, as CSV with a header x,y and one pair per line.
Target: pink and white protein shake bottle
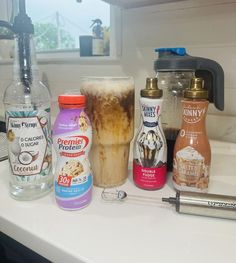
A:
x,y
72,139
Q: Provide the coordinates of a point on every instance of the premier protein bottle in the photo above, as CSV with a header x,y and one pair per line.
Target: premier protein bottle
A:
x,y
72,138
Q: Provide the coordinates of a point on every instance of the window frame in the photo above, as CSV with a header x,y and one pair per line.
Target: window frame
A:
x,y
73,55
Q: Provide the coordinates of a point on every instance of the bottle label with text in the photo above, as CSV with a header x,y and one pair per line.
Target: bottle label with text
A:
x,y
150,153
29,144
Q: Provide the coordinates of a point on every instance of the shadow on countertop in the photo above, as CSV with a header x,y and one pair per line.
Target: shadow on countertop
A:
x,y
13,252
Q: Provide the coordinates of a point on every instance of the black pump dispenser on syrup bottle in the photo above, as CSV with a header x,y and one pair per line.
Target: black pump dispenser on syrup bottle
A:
x,y
175,70
27,111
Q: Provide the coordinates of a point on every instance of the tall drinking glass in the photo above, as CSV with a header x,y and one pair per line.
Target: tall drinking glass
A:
x,y
110,106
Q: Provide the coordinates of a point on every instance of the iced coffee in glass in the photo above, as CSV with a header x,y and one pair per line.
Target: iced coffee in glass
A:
x,y
110,106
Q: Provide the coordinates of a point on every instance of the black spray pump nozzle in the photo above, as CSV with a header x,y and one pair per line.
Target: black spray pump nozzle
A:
x,y
22,22
96,21
23,28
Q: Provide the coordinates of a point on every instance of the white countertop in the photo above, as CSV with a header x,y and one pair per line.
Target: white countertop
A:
x,y
127,232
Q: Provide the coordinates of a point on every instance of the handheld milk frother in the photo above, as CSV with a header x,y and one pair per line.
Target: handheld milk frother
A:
x,y
213,205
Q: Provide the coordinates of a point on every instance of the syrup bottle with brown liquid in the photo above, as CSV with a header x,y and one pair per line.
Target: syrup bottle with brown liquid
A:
x,y
192,153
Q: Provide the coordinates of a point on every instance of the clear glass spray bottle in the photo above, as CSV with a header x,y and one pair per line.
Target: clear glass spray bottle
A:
x,y
27,111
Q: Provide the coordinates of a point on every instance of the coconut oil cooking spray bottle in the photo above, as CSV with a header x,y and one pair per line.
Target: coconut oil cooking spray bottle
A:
x,y
27,111
150,150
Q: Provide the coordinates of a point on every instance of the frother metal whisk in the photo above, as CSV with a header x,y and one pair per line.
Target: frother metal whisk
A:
x,y
213,205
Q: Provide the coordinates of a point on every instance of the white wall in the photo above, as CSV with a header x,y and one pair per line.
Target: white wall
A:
x,y
205,28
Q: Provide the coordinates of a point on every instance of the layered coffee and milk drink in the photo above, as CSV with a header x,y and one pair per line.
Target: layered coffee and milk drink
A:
x,y
110,106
